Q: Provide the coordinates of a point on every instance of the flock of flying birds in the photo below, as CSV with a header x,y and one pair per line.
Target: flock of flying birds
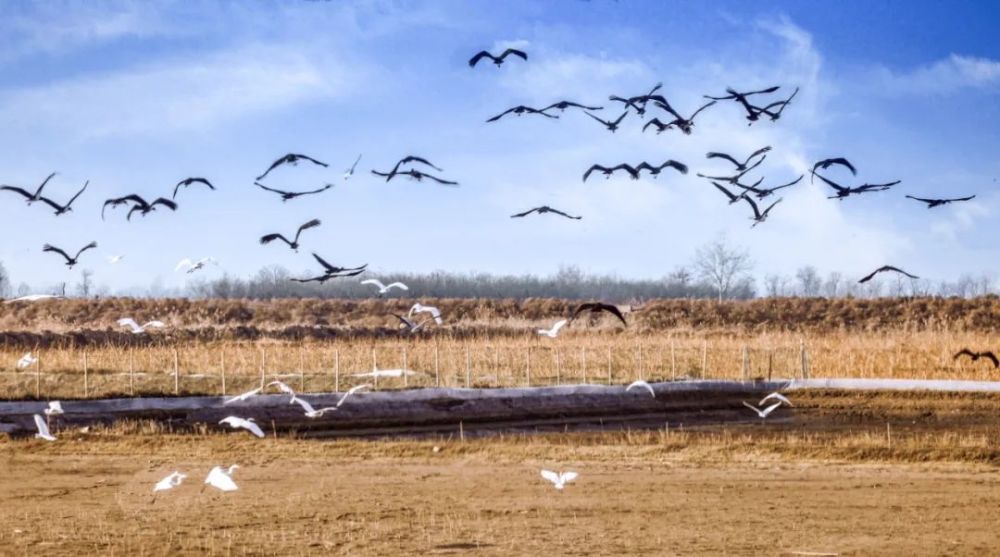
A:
x,y
735,185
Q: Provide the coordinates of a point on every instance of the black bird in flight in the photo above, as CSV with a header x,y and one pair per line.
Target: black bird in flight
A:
x,y
332,271
415,175
292,159
841,161
498,60
976,355
608,171
734,179
639,102
286,195
883,269
294,244
519,110
70,261
931,203
758,215
761,193
611,125
843,191
654,171
753,112
61,209
542,210
405,160
739,165
563,105
780,105
30,197
733,198
139,204
684,124
597,307
188,181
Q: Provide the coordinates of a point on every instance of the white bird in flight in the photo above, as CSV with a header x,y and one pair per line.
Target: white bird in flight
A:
x,y
420,308
559,479
136,328
26,361
384,288
244,396
193,266
33,298
247,424
350,171
314,413
173,480
762,413
640,384
554,331
55,408
281,387
43,429
775,396
386,373
221,478
115,259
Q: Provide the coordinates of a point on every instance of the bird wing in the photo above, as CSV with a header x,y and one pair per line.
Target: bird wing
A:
x,y
156,324
642,384
551,476
620,118
558,212
268,238
165,202
991,357
130,323
715,155
898,270
308,408
320,190
326,265
702,107
479,56
771,206
593,168
754,408
567,477
263,187
183,263
252,428
515,52
769,409
728,193
91,245
792,183
922,199
605,122
439,180
775,396
311,224
43,428
529,211
678,166
421,160
870,276
756,211
83,189
54,249
398,285
830,183
757,153
376,282
559,325
614,311
350,392
963,352
18,190
502,114
827,163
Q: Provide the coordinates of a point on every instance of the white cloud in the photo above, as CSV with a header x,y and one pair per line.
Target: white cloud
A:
x,y
187,95
943,76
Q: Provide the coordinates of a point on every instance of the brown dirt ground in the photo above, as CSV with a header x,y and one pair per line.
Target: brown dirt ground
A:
x,y
789,486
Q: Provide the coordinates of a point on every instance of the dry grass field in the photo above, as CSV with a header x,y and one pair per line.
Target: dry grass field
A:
x,y
217,347
827,477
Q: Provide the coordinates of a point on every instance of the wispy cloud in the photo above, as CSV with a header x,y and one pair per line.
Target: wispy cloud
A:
x,y
185,95
943,76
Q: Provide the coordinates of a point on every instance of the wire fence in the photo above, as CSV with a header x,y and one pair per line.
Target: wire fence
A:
x,y
230,368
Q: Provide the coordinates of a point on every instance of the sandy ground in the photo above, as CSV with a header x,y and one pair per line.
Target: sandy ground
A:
x,y
638,494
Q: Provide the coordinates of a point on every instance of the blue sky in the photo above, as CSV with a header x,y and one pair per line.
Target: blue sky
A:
x,y
134,96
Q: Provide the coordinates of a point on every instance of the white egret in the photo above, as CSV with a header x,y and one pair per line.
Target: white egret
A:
x,y
43,429
33,298
26,361
243,396
138,329
350,171
173,480
420,308
55,408
554,331
559,479
193,266
384,288
247,424
115,259
281,387
762,413
640,384
221,478
314,413
386,373
775,396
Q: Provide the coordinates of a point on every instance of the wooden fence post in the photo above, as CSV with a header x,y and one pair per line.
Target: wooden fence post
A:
x,y
558,368
583,362
437,364
302,373
336,370
527,356
38,377
406,380
704,358
746,363
468,367
131,372
802,358
263,365
673,361
496,366
177,374
223,372
374,368
86,376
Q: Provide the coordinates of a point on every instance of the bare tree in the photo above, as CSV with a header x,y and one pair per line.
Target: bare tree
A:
x,y
775,285
809,281
86,284
5,286
722,266
831,288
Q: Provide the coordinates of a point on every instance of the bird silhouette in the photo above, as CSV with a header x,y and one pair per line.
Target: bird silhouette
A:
x,y
612,125
188,181
29,197
884,269
563,105
844,191
70,261
519,110
740,165
597,307
292,159
931,203
542,210
682,123
976,355
294,243
758,215
287,195
498,60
